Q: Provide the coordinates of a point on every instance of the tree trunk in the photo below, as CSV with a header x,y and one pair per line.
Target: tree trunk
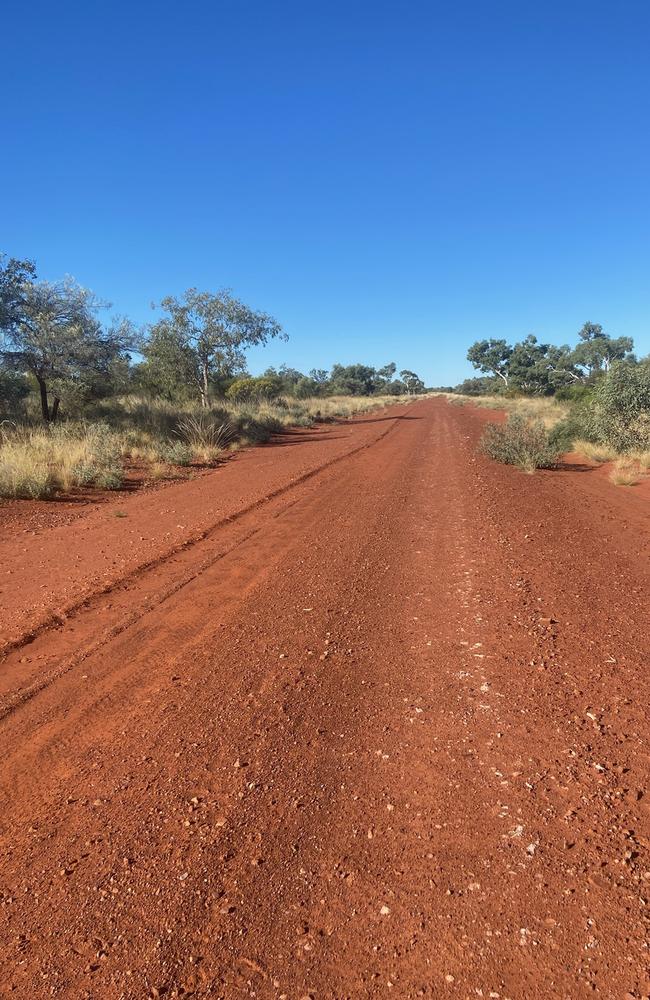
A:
x,y
204,387
45,408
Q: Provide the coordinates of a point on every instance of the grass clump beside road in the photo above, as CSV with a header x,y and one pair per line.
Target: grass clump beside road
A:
x,y
521,442
34,462
630,469
546,409
159,437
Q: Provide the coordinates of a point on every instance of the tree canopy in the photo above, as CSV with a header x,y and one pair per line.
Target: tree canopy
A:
x,y
14,276
56,336
538,368
207,334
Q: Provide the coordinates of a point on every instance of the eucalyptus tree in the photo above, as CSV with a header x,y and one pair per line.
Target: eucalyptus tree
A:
x,y
211,331
413,382
58,338
597,351
15,275
492,357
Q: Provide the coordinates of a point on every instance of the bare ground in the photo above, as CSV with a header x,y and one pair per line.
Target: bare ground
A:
x,y
360,714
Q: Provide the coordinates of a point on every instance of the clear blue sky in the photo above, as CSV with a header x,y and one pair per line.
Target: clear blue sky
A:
x,y
391,180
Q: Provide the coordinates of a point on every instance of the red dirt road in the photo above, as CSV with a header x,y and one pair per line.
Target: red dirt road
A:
x,y
371,723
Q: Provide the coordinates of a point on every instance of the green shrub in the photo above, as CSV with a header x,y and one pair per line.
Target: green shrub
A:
x,y
14,389
248,388
520,442
109,478
578,425
84,474
175,453
621,408
573,393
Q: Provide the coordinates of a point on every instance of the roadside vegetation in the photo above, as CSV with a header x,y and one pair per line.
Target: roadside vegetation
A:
x,y
156,438
522,442
593,399
86,402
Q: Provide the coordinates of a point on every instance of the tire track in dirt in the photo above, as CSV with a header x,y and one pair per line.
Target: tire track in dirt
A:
x,y
147,587
255,476
376,750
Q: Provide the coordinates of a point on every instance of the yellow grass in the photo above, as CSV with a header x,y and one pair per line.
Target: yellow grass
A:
x,y
35,461
595,452
627,471
544,408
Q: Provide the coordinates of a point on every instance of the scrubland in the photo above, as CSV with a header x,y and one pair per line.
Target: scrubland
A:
x,y
159,437
540,429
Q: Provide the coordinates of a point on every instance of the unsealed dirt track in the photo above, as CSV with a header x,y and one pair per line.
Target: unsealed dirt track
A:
x,y
366,716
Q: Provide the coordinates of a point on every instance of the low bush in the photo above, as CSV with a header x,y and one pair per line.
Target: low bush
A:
x,y
576,426
175,453
573,393
621,408
523,443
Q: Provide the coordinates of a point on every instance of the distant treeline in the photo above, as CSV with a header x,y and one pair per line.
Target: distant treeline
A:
x,y
537,369
606,386
52,340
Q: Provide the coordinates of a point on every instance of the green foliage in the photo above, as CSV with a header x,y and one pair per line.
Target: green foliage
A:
x,y
109,478
492,357
364,380
520,442
58,339
574,393
621,407
305,388
175,453
207,333
14,389
14,276
477,387
597,351
413,382
352,380
387,373
542,369
168,369
263,387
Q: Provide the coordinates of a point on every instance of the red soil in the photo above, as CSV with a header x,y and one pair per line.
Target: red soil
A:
x,y
360,714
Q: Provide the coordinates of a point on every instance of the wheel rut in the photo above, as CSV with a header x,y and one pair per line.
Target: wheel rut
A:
x,y
390,740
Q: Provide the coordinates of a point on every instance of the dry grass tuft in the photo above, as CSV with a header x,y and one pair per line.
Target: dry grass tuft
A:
x,y
627,471
643,458
37,461
595,452
546,409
